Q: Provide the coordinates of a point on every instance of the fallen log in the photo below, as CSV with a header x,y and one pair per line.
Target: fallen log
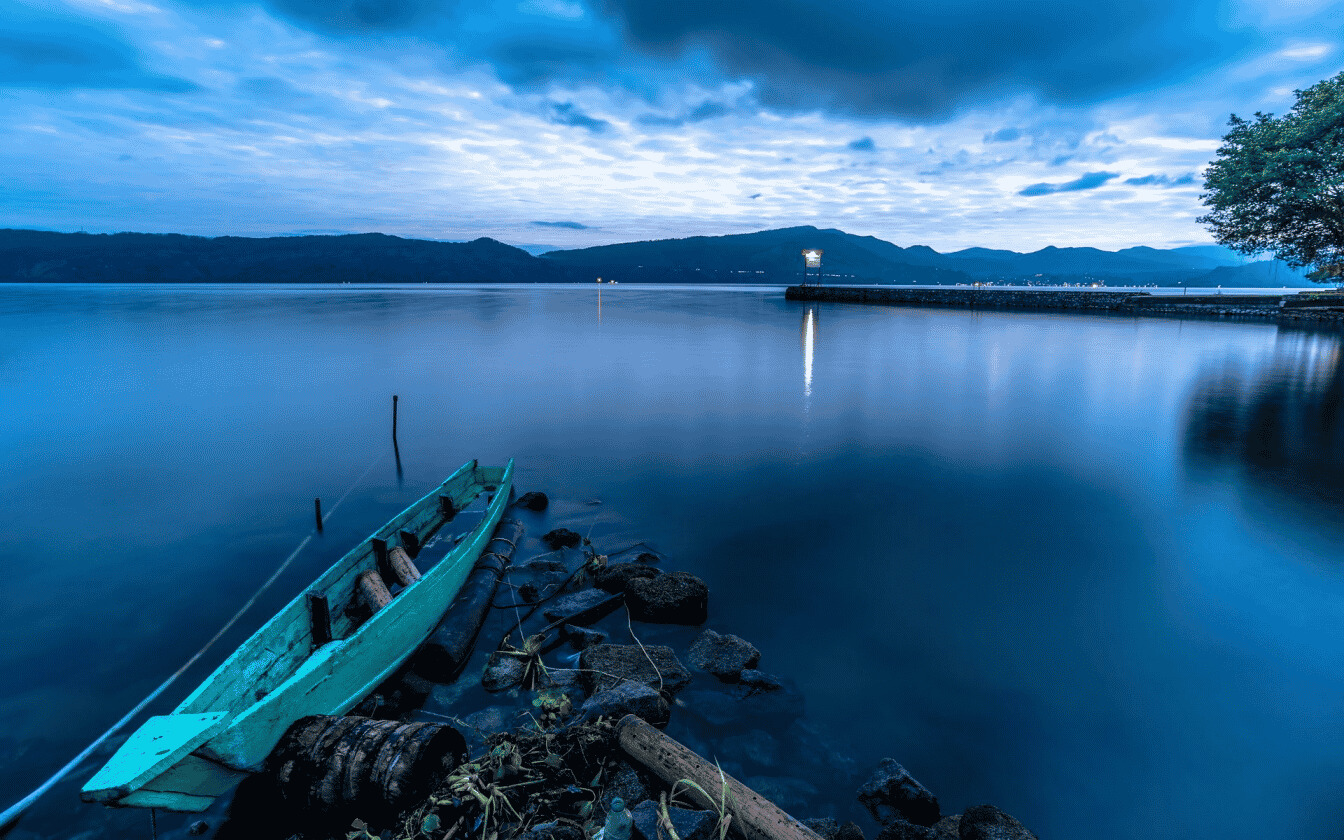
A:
x,y
442,658
753,816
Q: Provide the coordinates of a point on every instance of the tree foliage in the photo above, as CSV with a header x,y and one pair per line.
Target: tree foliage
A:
x,y
1277,184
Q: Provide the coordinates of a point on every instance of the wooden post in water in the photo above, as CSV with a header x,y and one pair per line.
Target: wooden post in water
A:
x,y
394,420
317,513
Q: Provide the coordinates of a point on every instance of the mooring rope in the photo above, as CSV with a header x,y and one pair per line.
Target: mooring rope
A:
x,y
12,814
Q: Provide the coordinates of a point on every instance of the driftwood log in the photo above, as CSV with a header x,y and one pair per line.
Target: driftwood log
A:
x,y
753,816
443,657
333,764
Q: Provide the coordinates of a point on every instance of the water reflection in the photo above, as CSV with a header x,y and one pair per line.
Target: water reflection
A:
x,y
1280,424
808,338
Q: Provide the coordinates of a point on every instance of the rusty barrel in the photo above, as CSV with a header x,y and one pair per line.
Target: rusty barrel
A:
x,y
328,763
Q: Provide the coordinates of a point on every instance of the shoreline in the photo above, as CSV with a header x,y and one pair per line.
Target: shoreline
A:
x,y
1291,309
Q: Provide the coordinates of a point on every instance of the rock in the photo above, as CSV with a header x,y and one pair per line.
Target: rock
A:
x,y
582,608
529,593
544,564
824,827
757,682
985,822
672,598
198,828
849,831
561,538
892,794
627,783
617,576
902,830
490,720
534,500
604,666
554,831
689,825
722,654
756,746
948,828
502,672
786,792
627,698
647,557
582,637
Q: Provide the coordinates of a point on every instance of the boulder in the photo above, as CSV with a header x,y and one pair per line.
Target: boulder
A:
x,y
534,500
948,828
198,828
757,682
722,654
604,666
627,698
617,576
561,538
544,564
902,830
824,827
672,598
647,557
502,672
582,637
849,831
582,608
490,720
628,783
985,822
689,825
892,794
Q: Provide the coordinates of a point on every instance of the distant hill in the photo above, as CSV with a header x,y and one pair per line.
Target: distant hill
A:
x,y
770,256
40,256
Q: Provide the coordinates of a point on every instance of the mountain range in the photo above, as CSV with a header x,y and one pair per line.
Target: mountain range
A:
x,y
771,256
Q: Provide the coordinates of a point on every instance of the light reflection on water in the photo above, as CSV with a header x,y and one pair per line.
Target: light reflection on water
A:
x,y
1084,567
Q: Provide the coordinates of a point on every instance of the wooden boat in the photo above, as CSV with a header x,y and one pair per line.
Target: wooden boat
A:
x,y
314,657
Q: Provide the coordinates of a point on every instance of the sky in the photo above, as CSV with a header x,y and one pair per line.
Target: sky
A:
x,y
582,122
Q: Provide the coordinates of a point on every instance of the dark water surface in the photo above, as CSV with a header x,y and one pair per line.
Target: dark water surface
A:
x,y
1086,568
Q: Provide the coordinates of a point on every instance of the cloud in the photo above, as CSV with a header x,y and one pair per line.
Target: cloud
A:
x,y
566,113
1003,135
863,144
45,51
566,225
1162,180
1090,181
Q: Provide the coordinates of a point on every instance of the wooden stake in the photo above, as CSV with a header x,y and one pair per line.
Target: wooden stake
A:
x,y
394,419
753,816
317,513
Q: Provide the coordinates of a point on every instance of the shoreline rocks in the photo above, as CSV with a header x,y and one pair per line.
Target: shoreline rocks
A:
x,y
670,598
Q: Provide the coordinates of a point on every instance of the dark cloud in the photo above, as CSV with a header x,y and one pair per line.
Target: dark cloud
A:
x,y
1090,181
1162,180
566,113
754,195
1003,135
700,113
916,59
360,15
566,225
46,51
863,144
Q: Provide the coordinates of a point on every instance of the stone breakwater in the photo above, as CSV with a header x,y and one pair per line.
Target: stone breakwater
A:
x,y
1316,309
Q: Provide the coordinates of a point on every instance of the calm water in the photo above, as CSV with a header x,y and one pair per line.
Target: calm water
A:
x,y
1086,568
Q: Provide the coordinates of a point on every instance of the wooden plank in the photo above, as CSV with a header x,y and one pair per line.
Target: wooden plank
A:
x,y
161,742
319,612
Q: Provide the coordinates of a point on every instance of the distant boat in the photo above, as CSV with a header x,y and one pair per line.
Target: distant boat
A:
x,y
315,656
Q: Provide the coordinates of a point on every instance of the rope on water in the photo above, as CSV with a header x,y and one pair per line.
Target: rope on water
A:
x,y
12,814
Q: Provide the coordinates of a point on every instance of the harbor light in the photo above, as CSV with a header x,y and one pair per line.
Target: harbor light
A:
x,y
811,259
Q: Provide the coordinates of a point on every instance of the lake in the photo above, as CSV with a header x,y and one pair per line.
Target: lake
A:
x,y
1087,568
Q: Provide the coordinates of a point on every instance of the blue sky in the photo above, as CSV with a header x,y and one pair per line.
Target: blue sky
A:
x,y
580,122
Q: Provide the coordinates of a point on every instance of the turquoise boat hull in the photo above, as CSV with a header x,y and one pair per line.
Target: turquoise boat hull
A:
x,y
225,729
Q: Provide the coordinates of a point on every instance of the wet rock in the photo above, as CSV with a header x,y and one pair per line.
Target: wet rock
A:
x,y
672,598
544,564
604,666
722,654
758,682
582,608
902,830
985,822
554,831
892,794
628,783
648,557
617,576
788,793
490,720
756,746
948,828
534,500
502,672
529,593
627,698
689,825
849,831
198,828
824,827
582,637
561,538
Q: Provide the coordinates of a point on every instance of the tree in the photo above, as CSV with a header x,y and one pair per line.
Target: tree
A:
x,y
1277,184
